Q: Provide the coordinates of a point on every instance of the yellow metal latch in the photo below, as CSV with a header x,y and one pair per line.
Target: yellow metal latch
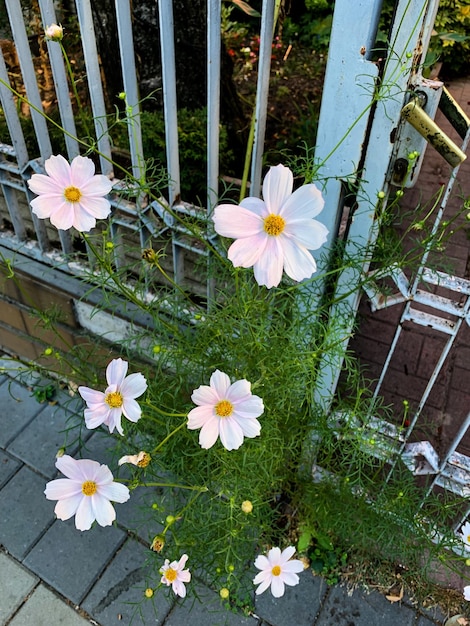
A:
x,y
427,128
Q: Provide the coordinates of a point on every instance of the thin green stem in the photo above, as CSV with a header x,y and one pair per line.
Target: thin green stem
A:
x,y
168,437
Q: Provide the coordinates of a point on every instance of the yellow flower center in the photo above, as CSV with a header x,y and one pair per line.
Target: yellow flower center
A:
x,y
276,570
114,399
89,488
171,574
72,194
468,539
224,408
274,225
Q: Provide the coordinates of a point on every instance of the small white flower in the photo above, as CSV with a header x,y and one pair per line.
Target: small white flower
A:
x,y
118,399
173,574
142,459
277,570
276,233
87,492
54,32
465,535
225,410
466,593
70,195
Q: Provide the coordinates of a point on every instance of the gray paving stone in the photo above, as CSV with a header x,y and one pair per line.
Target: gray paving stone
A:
x,y
18,408
37,445
299,605
425,621
118,596
138,516
24,512
44,608
8,466
207,610
363,609
15,585
70,560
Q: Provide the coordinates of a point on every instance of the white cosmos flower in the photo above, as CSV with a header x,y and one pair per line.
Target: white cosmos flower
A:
x,y
118,399
466,592
70,195
175,575
277,570
226,410
276,233
87,492
465,535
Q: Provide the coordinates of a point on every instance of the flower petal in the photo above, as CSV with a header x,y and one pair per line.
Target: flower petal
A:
x,y
91,396
99,185
311,234
277,586
277,187
59,170
116,372
62,216
247,251
287,554
82,170
231,220
84,517
251,407
220,382
62,488
209,433
45,185
67,507
75,470
268,267
131,410
231,435
238,391
103,510
306,202
249,427
298,262
133,386
199,416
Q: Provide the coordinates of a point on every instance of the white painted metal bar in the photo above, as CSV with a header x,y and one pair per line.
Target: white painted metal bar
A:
x,y
95,86
62,88
213,101
262,91
29,76
364,227
129,75
11,115
165,15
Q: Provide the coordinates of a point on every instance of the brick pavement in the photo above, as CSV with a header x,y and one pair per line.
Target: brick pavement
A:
x,y
419,348
53,575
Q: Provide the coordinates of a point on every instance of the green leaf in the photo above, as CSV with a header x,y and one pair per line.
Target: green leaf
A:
x,y
304,541
245,7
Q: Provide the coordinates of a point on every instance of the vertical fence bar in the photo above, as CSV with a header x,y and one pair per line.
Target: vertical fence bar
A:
x,y
129,75
11,115
60,81
167,39
90,53
29,77
213,100
262,91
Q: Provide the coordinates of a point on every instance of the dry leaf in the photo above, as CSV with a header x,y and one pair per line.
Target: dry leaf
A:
x,y
396,598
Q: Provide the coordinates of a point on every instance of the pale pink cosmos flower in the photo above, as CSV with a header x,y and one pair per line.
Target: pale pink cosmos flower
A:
x,y
70,195
175,575
226,410
118,399
277,570
276,233
466,593
87,492
465,535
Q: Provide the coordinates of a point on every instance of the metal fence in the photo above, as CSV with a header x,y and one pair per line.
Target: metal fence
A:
x,y
362,108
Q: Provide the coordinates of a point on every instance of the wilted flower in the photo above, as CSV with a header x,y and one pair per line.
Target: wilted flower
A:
x,y
276,233
118,399
465,535
173,574
225,410
277,570
70,195
54,32
158,543
142,459
87,492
